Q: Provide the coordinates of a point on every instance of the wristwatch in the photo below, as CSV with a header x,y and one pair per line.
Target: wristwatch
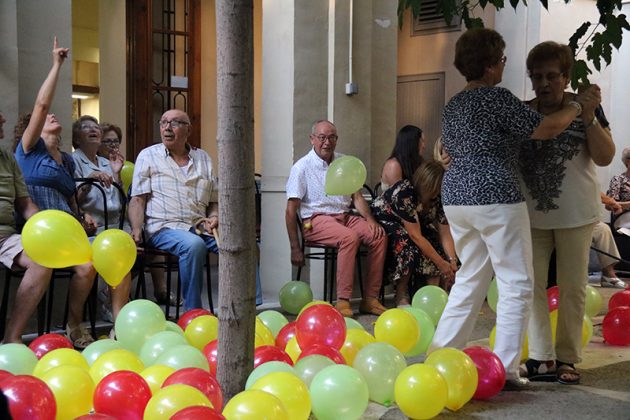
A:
x,y
593,123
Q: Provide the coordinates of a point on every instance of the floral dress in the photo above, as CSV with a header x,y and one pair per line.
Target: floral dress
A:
x,y
399,203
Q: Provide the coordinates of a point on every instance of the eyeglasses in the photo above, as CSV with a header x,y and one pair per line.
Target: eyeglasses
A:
x,y
503,59
322,138
551,77
88,127
111,142
173,123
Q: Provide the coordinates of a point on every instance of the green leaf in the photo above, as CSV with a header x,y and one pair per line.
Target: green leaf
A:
x,y
579,33
514,3
579,74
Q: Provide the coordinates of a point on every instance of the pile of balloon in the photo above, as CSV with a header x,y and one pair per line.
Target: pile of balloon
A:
x,y
55,239
616,324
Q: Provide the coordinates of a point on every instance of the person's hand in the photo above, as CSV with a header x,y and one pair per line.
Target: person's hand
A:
x,y
59,53
376,229
616,208
116,161
136,235
210,223
589,98
446,159
446,270
297,257
105,178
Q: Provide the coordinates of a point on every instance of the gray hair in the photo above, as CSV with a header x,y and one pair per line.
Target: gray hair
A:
x,y
314,126
625,154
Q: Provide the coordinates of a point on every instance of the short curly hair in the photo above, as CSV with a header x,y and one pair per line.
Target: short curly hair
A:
x,y
550,51
76,128
477,49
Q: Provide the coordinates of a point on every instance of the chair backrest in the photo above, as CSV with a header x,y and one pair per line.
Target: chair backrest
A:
x,y
378,189
103,194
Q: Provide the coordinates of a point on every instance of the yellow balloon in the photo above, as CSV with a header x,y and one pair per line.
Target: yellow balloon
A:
x,y
115,360
202,330
420,391
524,348
293,349
255,404
73,389
290,390
60,357
587,327
459,372
398,328
156,375
264,335
169,400
126,175
315,302
355,341
113,255
55,239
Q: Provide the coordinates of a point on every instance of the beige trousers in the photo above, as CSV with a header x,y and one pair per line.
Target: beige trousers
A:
x,y
603,240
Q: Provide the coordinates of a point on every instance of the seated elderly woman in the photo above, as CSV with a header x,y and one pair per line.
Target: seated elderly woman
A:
x,y
86,138
619,190
419,239
48,175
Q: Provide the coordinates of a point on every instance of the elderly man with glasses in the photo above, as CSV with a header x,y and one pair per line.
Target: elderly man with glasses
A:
x,y
327,220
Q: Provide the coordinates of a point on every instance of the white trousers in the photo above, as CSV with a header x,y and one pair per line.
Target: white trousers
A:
x,y
604,240
492,238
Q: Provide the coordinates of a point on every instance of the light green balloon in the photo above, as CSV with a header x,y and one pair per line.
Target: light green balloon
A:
x,y
158,344
183,356
432,300
267,368
99,347
345,175
493,295
309,366
17,359
380,364
137,321
171,326
427,329
339,392
294,295
273,320
353,323
594,301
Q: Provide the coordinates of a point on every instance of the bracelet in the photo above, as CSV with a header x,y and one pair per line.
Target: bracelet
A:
x,y
452,259
593,123
577,106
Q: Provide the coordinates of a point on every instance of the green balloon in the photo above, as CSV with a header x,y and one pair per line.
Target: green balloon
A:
x,y
594,301
137,321
99,347
158,344
380,364
294,295
309,366
346,175
493,295
353,323
183,356
126,175
266,368
173,327
427,329
273,320
432,300
339,392
17,359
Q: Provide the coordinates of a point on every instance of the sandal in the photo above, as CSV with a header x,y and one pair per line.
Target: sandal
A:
x,y
538,371
566,374
79,336
160,298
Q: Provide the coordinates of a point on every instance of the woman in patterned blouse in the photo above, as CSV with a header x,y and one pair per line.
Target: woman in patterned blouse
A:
x,y
619,189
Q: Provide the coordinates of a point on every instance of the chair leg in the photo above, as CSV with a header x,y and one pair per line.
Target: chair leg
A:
x,y
360,273
179,291
209,283
168,285
4,307
49,311
92,304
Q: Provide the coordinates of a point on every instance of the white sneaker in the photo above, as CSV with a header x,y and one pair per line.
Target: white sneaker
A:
x,y
615,282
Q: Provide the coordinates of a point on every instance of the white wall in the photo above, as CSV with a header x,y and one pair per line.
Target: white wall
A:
x,y
9,92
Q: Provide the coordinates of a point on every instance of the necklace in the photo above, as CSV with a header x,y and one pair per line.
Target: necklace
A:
x,y
474,84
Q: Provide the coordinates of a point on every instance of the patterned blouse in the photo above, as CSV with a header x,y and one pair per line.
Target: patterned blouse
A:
x,y
619,187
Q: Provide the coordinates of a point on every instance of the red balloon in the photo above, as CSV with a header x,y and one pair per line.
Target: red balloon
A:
x,y
3,375
96,416
210,351
285,334
48,342
616,326
200,379
197,412
29,398
122,394
553,295
264,354
327,351
490,370
320,324
621,298
188,316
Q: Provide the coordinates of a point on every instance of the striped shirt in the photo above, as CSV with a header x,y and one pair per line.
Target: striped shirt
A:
x,y
177,196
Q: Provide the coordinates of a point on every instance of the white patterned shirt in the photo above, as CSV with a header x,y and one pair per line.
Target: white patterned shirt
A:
x,y
307,182
177,196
